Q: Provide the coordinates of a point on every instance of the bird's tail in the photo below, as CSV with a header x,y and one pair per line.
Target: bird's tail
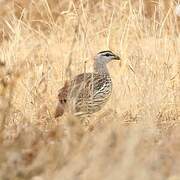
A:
x,y
59,110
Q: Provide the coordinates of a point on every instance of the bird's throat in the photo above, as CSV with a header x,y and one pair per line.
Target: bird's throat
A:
x,y
101,69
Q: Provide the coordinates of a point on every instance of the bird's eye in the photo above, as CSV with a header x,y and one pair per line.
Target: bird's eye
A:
x,y
107,54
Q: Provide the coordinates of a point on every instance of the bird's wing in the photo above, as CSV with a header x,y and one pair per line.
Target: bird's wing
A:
x,y
81,78
72,85
82,85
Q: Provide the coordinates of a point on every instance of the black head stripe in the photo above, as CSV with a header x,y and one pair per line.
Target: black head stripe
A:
x,y
105,52
108,54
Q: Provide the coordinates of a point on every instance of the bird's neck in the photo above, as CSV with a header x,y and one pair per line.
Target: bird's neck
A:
x,y
101,68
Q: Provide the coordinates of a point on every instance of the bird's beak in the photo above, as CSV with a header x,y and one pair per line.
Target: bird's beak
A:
x,y
116,57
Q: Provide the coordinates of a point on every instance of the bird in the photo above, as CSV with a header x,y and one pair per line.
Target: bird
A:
x,y
88,92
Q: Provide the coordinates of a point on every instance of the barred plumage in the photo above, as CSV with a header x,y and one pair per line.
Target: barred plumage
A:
x,y
87,92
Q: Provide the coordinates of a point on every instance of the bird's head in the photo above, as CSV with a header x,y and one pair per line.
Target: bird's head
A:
x,y
105,57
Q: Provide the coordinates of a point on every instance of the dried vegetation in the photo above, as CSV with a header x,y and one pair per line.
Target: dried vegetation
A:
x,y
45,42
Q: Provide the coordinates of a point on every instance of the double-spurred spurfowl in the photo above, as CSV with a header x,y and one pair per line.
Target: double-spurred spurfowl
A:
x,y
87,92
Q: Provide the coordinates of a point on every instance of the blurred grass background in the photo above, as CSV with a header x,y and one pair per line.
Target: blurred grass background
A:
x,y
136,136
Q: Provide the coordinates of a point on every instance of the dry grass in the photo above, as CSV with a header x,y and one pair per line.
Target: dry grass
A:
x,y
136,136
